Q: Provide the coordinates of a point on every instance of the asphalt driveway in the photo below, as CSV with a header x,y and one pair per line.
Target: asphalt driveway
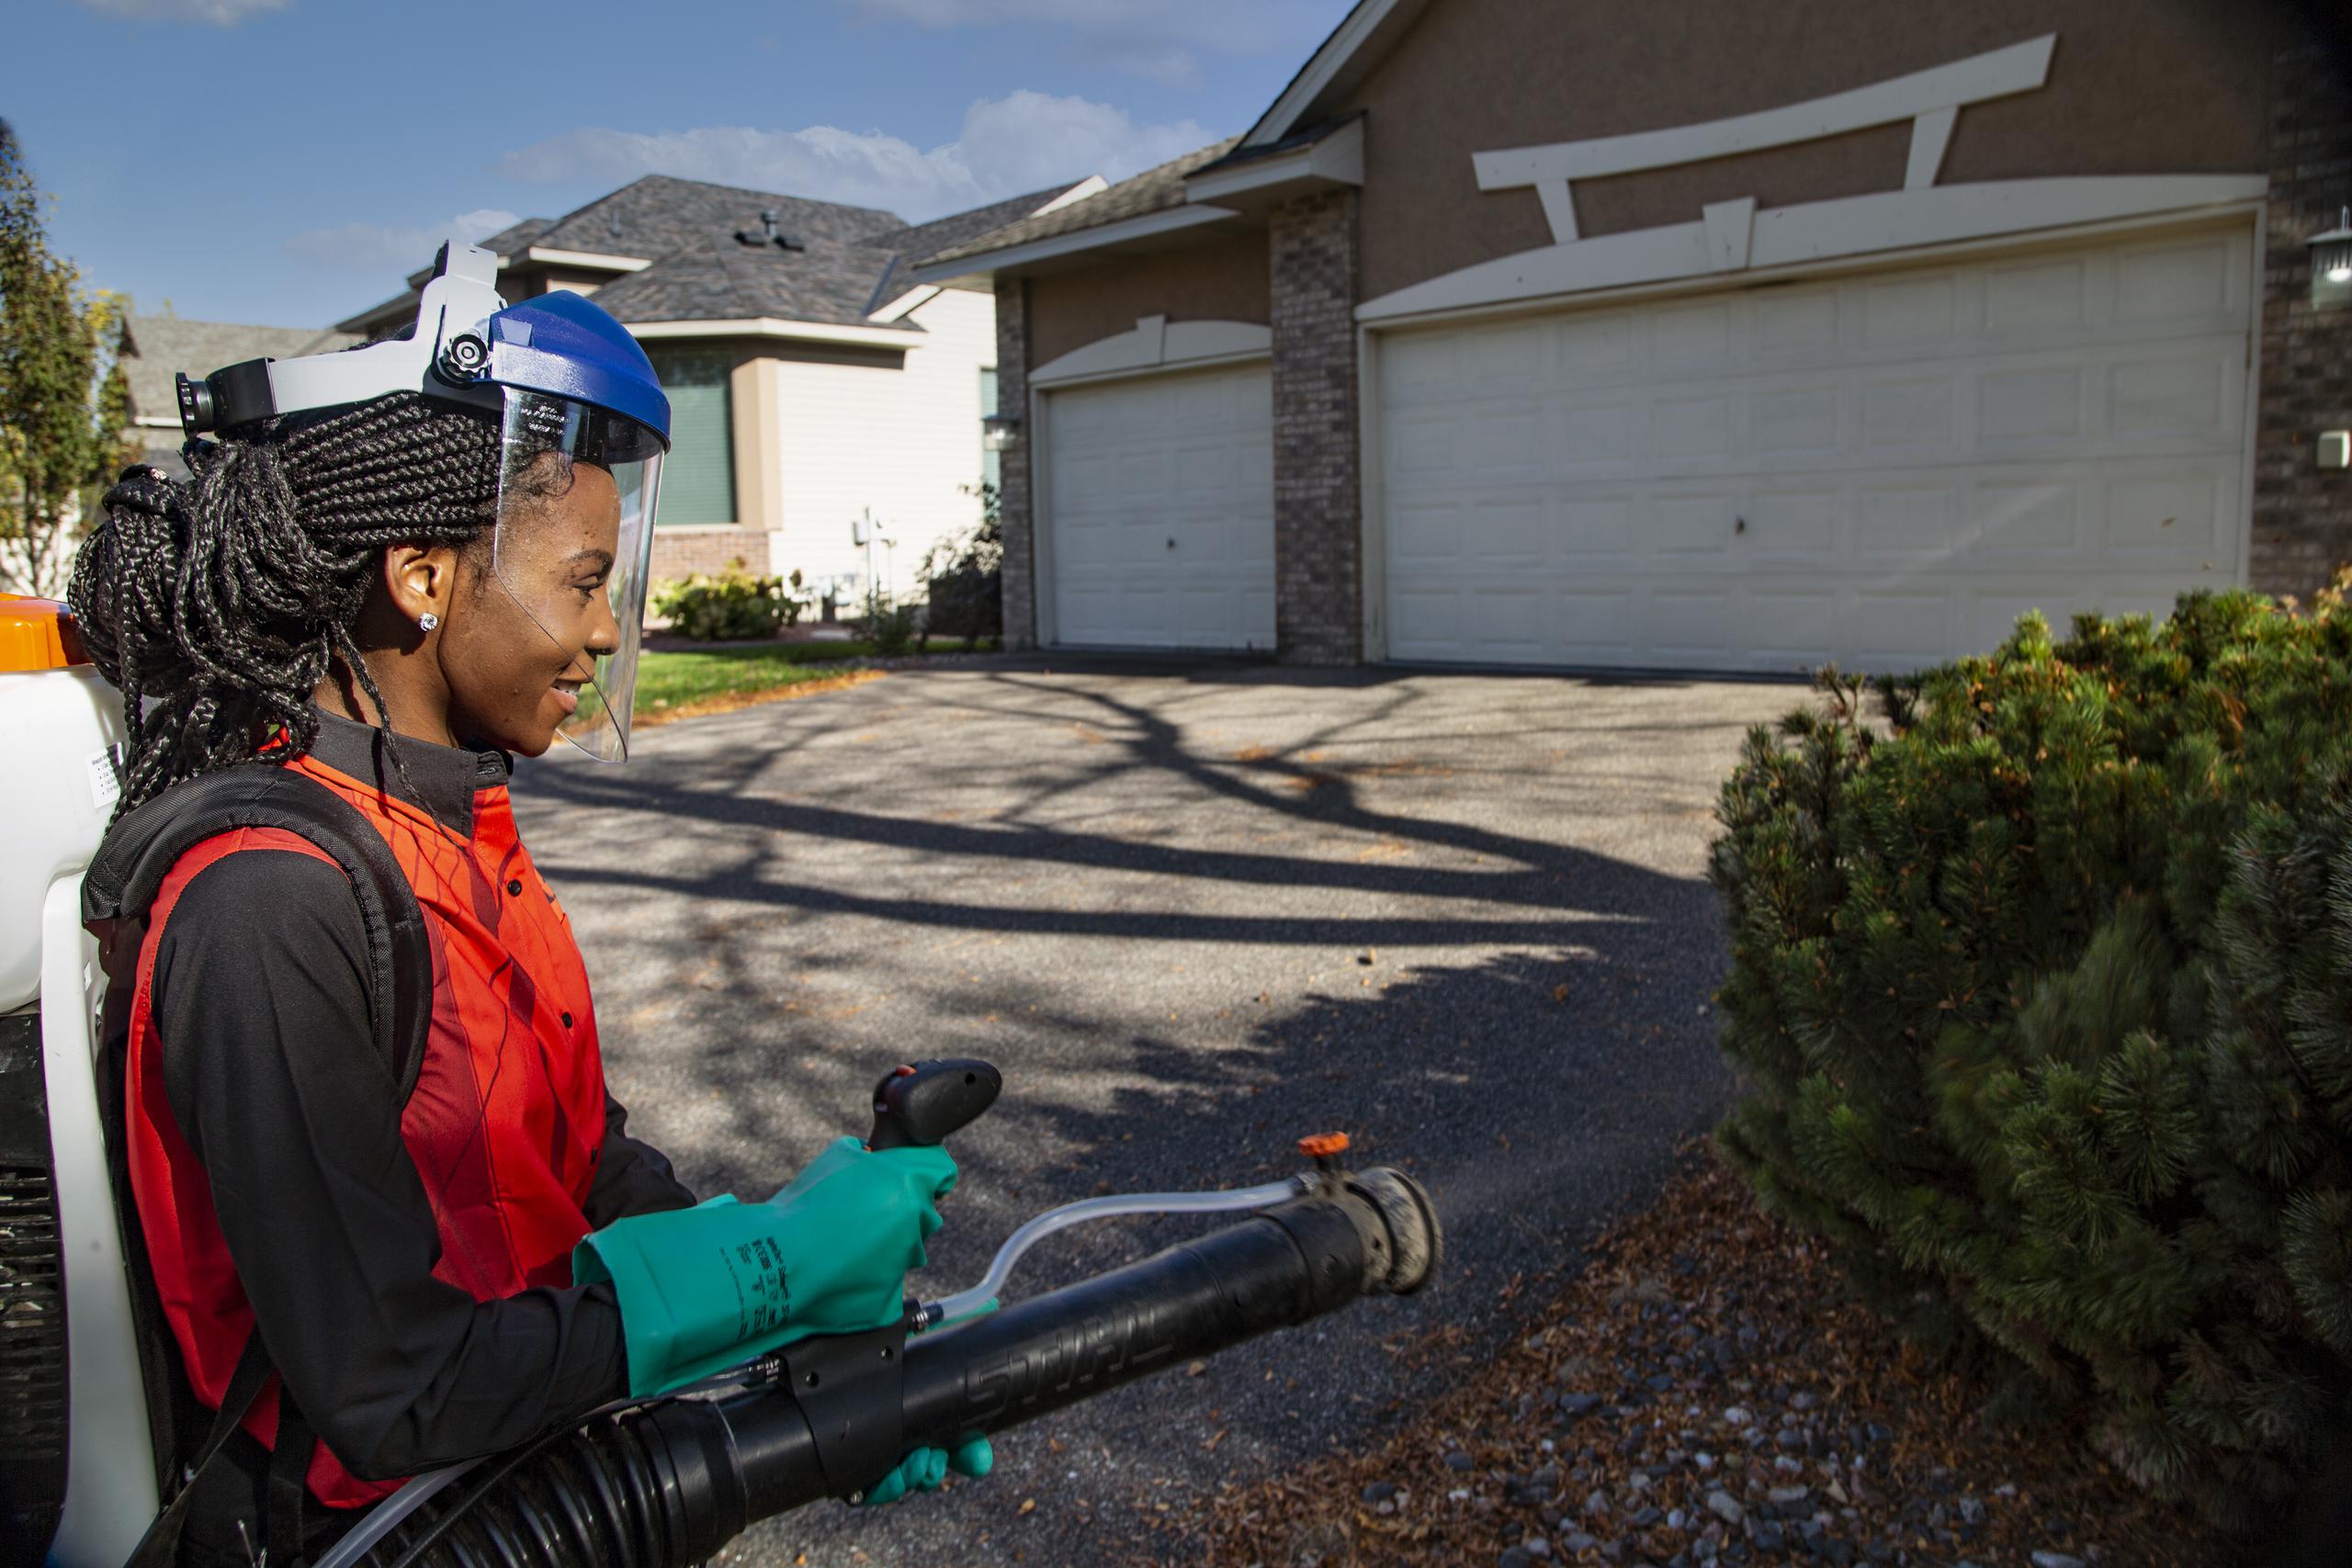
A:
x,y
1192,913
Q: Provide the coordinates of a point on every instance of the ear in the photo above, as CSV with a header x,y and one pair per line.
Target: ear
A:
x,y
421,579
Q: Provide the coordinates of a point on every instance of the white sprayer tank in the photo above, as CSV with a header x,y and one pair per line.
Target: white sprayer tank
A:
x,y
61,731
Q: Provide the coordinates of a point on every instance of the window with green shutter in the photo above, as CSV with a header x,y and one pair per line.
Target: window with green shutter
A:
x,y
698,477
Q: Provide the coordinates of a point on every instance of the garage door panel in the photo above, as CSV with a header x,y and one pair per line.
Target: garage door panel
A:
x,y
1594,525
1910,312
1892,628
2180,281
2011,516
2183,396
1158,511
2178,514
1799,322
2028,300
1877,467
1791,626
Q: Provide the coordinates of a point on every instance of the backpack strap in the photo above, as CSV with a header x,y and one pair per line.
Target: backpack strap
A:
x,y
138,853
141,847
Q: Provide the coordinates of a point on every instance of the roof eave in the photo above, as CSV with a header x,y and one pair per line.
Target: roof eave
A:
x,y
1345,58
776,327
1333,159
1141,231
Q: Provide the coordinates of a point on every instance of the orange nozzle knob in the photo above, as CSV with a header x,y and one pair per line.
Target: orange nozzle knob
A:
x,y
1324,1145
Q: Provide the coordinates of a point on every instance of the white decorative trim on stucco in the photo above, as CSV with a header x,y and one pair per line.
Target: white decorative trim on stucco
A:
x,y
1930,99
1155,342
1817,230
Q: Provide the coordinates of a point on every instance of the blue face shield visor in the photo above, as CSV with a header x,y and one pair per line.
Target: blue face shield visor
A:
x,y
578,486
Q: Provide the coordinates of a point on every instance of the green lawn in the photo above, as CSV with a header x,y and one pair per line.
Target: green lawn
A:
x,y
673,680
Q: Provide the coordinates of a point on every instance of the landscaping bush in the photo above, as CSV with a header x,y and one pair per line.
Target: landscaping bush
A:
x,y
2043,991
964,579
731,607
892,631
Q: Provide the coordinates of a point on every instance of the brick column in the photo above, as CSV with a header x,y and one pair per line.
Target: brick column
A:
x,y
1318,502
1014,514
2302,517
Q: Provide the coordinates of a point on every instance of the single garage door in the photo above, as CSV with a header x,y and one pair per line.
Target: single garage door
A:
x,y
1883,469
1160,511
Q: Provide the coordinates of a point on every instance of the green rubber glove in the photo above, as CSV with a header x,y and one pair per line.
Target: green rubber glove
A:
x,y
926,1469
707,1288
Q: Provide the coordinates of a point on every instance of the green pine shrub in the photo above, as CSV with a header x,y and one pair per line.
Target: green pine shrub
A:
x,y
2042,986
734,606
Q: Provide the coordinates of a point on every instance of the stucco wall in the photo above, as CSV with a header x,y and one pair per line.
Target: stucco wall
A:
x,y
2135,86
1221,278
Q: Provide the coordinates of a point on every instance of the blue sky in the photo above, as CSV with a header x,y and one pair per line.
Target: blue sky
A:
x,y
287,160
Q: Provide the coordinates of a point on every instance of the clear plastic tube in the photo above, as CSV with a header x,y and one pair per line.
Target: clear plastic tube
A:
x,y
965,1304
390,1512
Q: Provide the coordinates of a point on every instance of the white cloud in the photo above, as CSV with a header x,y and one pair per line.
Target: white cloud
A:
x,y
1023,142
400,248
1158,39
220,13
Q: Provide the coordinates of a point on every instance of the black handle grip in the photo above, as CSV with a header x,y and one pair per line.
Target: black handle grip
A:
x,y
924,1103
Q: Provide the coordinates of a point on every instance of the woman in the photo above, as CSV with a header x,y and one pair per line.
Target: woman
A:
x,y
437,1258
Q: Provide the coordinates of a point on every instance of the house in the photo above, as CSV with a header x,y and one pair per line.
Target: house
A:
x,y
154,349
813,382
1707,336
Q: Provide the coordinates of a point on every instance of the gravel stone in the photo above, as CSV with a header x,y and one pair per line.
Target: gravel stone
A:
x,y
1457,1459
1727,1508
2057,1560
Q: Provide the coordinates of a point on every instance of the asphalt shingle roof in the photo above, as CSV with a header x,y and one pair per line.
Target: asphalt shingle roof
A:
x,y
660,214
724,279
919,243
1150,191
699,271
161,345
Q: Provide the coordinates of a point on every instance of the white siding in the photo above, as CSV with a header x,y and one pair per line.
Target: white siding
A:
x,y
901,441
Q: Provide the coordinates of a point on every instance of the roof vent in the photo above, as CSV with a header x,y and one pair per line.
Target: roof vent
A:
x,y
772,236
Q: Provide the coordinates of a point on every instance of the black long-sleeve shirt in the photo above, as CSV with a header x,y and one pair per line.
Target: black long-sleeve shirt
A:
x,y
259,1001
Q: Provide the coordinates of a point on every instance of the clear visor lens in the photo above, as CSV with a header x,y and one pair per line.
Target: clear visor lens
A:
x,y
576,493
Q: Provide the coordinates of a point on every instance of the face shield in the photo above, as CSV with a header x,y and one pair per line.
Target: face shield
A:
x,y
576,493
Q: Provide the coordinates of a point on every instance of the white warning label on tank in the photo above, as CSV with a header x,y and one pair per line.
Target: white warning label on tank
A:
x,y
105,787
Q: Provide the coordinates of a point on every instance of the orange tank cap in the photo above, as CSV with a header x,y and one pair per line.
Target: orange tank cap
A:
x,y
1324,1145
37,634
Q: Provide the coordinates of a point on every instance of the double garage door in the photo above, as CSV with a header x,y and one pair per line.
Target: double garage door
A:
x,y
1884,469
1160,496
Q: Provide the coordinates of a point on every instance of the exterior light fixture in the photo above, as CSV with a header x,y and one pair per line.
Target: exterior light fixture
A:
x,y
997,431
2332,261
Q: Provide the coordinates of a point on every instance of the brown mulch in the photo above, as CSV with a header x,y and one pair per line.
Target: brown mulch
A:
x,y
1705,1393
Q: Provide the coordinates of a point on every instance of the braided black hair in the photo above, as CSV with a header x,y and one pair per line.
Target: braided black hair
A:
x,y
224,601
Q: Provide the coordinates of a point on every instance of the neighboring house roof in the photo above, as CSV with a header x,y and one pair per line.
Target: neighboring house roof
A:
x,y
725,280
659,214
154,347
1152,191
696,269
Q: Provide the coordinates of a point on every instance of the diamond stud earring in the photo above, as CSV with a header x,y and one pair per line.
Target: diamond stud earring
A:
x,y
427,621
